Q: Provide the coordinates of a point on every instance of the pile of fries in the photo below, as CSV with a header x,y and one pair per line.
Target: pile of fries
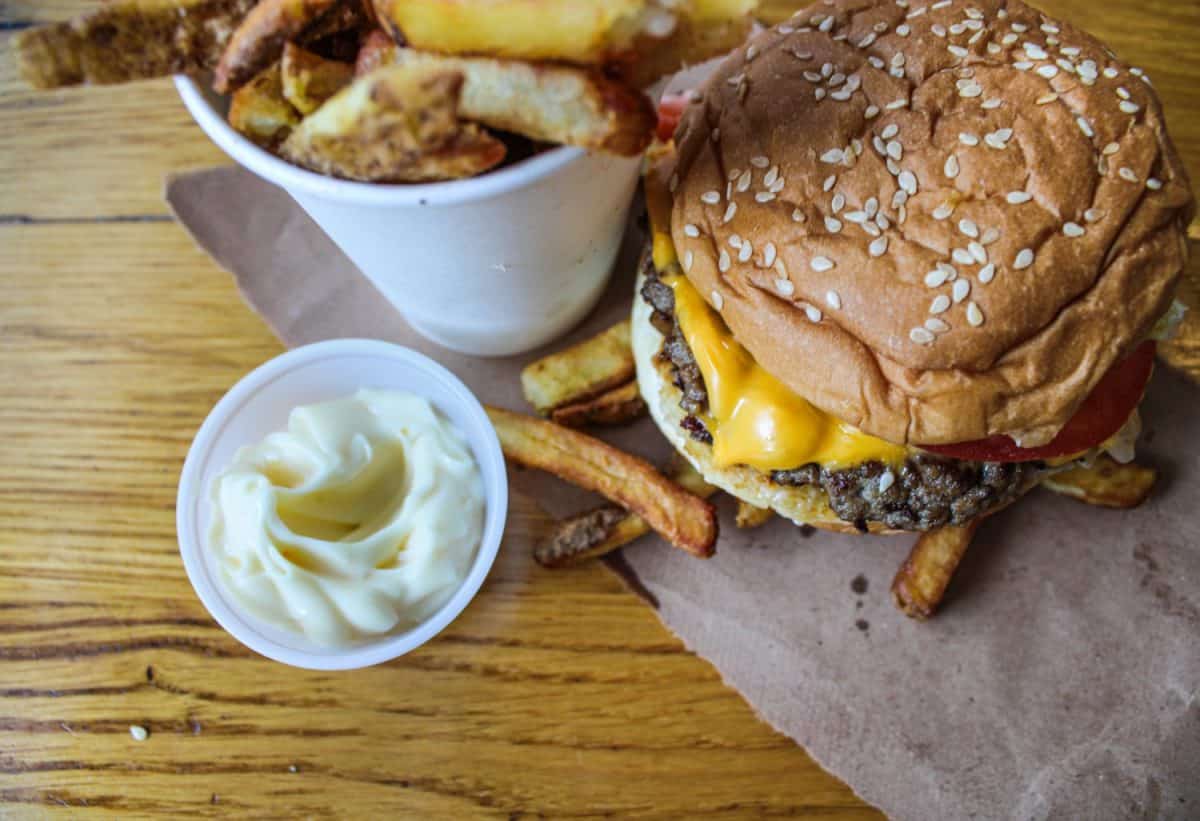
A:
x,y
592,383
402,90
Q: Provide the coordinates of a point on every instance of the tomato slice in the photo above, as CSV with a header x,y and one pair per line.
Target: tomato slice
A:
x,y
1102,414
670,112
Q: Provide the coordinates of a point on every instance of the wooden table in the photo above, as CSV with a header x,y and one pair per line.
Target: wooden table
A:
x,y
555,693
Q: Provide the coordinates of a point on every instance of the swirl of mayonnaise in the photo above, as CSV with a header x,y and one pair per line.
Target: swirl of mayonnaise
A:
x,y
362,517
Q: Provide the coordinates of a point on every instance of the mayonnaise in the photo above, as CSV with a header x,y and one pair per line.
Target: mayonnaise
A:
x,y
362,517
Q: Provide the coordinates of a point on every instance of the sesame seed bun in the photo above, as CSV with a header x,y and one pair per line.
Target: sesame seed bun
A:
x,y
937,223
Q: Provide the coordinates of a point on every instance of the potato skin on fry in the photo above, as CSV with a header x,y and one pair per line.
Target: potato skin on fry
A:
x,y
308,79
681,517
583,371
129,40
922,580
619,406
1106,483
260,38
259,110
394,125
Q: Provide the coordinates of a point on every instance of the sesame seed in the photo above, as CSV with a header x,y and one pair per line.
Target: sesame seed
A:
x,y
1074,229
718,301
978,252
969,89
769,254
908,183
987,273
1093,215
1086,127
687,260
821,264
751,52
764,196
960,290
746,251
1035,52
990,236
1154,184
998,139
833,300
797,215
1046,99
897,104
1128,174
1024,259
729,212
871,112
899,198
759,161
1023,65
922,336
993,103
785,287
969,228
1110,149
1128,107
871,229
744,180
871,206
903,29
936,278
940,304
890,131
771,175
829,183
1009,39
1111,73
711,197
939,29
833,225
838,203
895,150
826,24
1048,71
691,230
139,732
856,217
735,240
974,315
943,211
723,261
936,325
1123,93
958,51
952,167
962,256
867,41
813,313
879,247
819,94
1018,197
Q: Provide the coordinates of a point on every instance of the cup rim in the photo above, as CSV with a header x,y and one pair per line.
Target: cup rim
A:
x,y
389,646
292,177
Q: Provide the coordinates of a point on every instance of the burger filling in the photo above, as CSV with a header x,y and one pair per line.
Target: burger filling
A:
x,y
919,491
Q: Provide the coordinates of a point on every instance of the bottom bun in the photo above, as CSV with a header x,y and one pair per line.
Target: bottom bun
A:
x,y
803,504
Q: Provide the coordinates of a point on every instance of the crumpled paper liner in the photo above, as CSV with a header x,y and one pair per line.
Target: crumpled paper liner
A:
x,y
1061,680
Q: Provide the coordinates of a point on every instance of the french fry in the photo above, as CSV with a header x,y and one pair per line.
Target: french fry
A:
x,y
750,517
922,580
1106,483
260,37
129,40
772,12
598,532
393,125
545,101
682,518
692,42
580,372
259,111
377,49
620,406
309,79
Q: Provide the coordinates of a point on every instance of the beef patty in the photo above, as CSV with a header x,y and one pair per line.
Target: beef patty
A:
x,y
925,493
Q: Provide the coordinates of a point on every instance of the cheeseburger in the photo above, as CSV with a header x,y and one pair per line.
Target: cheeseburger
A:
x,y
909,259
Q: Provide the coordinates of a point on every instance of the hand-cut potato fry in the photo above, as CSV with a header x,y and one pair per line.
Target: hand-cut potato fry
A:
x,y
309,79
394,125
586,32
552,102
1106,483
692,42
682,518
580,372
259,39
922,580
620,406
597,532
129,40
750,517
259,110
377,49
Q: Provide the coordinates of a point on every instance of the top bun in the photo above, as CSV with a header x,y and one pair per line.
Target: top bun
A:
x,y
938,221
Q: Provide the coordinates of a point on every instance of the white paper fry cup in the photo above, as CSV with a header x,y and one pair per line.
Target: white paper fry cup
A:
x,y
493,265
260,404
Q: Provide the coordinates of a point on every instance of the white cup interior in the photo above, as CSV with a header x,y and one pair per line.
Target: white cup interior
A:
x,y
258,405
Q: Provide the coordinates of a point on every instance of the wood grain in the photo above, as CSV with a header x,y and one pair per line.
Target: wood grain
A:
x,y
556,692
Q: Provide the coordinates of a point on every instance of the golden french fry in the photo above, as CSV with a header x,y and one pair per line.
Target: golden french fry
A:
x,y
309,79
129,40
584,32
922,580
598,532
580,372
681,517
750,517
1106,483
692,42
546,101
393,125
259,111
260,37
619,406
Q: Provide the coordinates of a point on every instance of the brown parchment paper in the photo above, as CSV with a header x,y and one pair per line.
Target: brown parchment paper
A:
x,y
1060,681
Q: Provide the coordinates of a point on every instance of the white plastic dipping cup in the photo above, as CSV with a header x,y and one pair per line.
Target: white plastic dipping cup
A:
x,y
492,265
259,405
